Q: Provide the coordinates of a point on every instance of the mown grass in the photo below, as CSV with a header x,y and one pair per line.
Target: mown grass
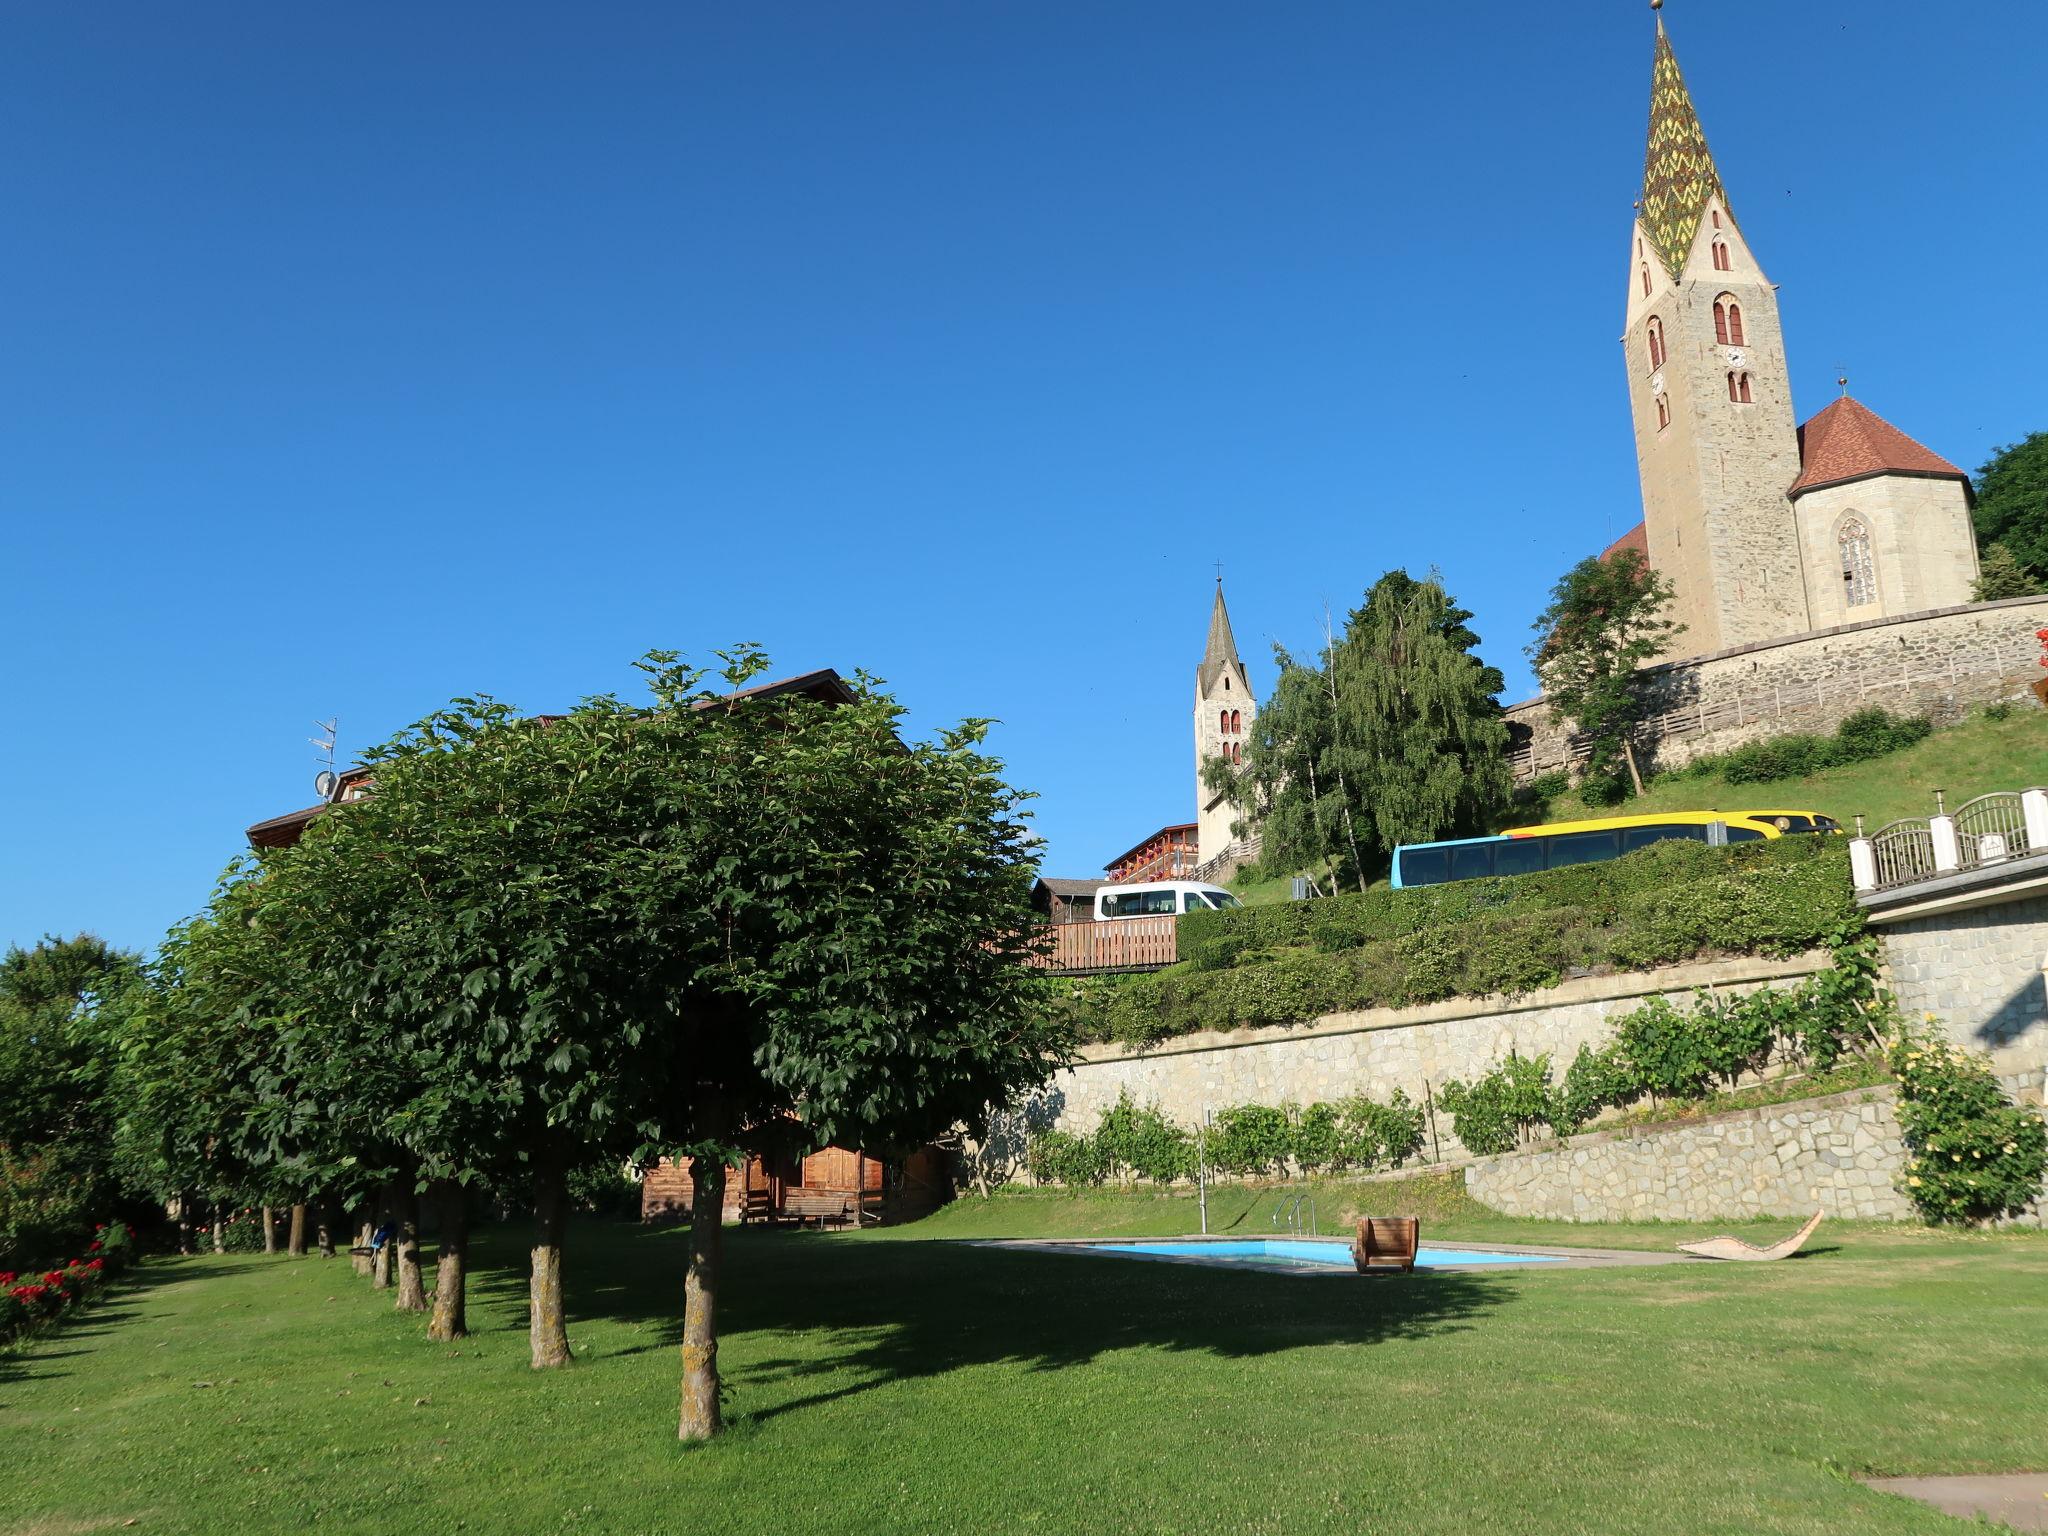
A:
x,y
892,1382
1972,758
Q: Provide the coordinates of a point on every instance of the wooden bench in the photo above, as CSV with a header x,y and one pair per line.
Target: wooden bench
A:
x,y
758,1204
836,1207
1385,1245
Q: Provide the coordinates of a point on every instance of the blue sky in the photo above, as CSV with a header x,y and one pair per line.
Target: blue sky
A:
x,y
357,357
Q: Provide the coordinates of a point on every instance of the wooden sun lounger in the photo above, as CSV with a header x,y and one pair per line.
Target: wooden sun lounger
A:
x,y
1736,1248
1386,1245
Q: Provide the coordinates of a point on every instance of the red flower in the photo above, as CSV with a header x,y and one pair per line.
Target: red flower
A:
x,y
99,1226
95,1264
94,1246
7,1277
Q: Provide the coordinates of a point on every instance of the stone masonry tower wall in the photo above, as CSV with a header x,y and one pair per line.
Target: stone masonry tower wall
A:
x,y
1709,389
1224,708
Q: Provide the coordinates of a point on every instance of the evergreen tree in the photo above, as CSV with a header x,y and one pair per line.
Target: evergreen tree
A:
x,y
1396,736
1605,620
1287,785
1421,744
2012,502
2000,574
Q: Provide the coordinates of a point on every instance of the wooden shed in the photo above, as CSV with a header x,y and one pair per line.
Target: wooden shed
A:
x,y
831,1187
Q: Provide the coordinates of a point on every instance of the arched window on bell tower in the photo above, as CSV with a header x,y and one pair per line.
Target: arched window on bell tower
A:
x,y
1646,280
1663,413
1656,333
1859,573
1721,262
1728,321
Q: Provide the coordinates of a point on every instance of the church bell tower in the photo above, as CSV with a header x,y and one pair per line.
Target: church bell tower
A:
x,y
1223,716
1711,395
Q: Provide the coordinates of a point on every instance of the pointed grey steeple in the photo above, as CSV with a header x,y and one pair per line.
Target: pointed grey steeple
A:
x,y
1222,646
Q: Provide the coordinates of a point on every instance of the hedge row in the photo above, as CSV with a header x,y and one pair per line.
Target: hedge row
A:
x,y
1135,1141
1292,962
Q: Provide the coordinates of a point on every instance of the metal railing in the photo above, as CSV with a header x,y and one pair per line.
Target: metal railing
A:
x,y
1293,1212
1904,852
1991,829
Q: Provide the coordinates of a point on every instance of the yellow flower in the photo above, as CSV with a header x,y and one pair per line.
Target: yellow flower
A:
x,y
1914,1181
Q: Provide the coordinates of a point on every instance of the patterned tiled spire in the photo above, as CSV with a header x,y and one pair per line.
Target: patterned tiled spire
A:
x,y
1679,174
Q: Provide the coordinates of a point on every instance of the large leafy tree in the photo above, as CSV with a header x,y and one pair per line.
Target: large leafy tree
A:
x,y
2012,502
1394,736
1419,730
1289,785
1606,618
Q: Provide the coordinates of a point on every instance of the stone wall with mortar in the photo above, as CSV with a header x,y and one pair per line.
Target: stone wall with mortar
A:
x,y
1841,1154
1980,972
1939,663
1378,1050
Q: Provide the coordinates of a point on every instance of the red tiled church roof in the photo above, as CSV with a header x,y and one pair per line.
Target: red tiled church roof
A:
x,y
1637,539
1848,441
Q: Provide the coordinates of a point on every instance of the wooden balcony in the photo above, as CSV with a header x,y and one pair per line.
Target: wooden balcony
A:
x,y
1125,944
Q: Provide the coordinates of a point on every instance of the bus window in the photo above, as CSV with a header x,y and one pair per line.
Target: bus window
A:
x,y
1160,903
1793,823
1425,866
1742,834
1123,906
1473,861
1633,838
1582,848
1518,856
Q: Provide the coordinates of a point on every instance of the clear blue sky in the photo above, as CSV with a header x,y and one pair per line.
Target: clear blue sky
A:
x,y
360,356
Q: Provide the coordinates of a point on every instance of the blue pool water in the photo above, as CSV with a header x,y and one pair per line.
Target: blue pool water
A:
x,y
1305,1253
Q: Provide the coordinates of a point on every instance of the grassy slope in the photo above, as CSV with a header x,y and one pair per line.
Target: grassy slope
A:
x,y
1970,759
885,1382
1966,760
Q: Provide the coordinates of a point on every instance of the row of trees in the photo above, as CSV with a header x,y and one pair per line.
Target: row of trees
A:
x,y
1394,733
698,925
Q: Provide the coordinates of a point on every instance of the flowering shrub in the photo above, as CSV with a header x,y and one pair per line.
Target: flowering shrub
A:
x,y
1974,1155
26,1300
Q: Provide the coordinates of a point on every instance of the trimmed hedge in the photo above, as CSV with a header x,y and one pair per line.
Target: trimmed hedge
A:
x,y
1296,961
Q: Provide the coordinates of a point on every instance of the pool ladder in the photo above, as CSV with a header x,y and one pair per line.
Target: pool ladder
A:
x,y
1293,1213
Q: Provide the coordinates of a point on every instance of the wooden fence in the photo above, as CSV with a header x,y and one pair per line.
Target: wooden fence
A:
x,y
1122,944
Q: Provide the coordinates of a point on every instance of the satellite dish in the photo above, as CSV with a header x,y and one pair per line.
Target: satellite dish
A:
x,y
324,783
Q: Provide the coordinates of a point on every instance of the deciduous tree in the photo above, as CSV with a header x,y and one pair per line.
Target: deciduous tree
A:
x,y
1605,620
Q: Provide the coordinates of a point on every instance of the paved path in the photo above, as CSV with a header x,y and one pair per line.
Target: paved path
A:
x,y
2019,1501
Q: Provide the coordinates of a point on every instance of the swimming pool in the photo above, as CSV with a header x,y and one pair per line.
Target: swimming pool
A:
x,y
1304,1254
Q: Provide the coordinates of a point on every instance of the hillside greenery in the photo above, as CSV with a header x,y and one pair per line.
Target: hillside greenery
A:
x,y
1289,962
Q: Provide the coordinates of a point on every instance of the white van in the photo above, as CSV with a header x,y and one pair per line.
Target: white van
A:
x,y
1160,898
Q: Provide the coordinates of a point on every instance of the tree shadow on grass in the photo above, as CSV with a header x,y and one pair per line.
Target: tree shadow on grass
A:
x,y
28,1359
887,1312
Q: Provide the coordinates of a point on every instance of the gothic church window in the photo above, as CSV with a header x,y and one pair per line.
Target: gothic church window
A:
x,y
1859,575
1721,256
1656,343
1646,282
1663,413
1236,723
1728,322
1738,389
1223,721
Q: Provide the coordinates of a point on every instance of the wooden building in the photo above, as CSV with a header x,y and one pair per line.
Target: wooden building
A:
x,y
1168,854
832,1187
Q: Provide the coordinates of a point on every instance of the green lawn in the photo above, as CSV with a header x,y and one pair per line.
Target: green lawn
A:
x,y
893,1382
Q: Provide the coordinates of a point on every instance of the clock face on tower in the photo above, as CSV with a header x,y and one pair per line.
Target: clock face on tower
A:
x,y
1657,382
1737,357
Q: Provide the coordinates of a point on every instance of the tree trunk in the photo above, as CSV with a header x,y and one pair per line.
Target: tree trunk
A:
x,y
700,1301
269,1230
1628,753
295,1244
451,1268
380,1221
220,1230
547,1327
360,1259
405,1237
185,1223
323,1226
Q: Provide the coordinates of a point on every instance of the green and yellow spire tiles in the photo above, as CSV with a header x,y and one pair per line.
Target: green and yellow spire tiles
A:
x,y
1679,175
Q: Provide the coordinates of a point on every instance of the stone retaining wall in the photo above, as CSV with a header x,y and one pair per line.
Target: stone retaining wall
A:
x,y
1375,1051
1981,972
1841,1154
1938,663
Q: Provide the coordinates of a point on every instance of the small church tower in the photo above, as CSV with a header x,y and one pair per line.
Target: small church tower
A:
x,y
1711,396
1223,715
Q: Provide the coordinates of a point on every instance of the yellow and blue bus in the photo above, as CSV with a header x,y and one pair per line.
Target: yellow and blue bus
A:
x,y
1525,850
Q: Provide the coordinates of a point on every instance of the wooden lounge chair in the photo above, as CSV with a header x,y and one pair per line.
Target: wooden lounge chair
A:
x,y
1385,1245
1736,1248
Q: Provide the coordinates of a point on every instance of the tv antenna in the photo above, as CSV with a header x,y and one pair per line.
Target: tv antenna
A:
x,y
326,781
